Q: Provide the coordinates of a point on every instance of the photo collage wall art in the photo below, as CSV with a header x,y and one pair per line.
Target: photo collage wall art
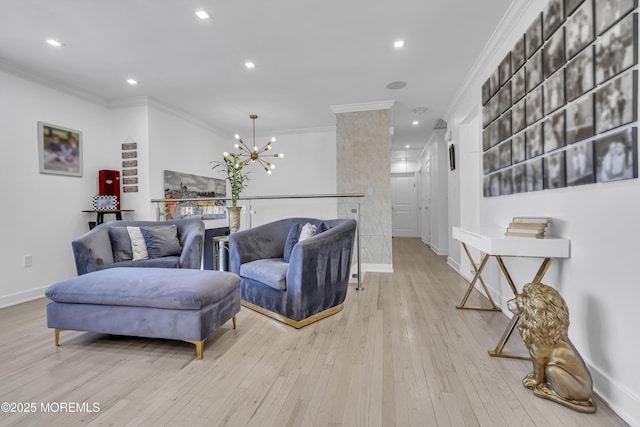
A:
x,y
561,108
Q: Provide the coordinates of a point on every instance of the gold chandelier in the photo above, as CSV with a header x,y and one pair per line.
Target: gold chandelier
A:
x,y
255,154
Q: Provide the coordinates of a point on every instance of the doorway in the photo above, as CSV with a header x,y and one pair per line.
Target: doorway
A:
x,y
404,206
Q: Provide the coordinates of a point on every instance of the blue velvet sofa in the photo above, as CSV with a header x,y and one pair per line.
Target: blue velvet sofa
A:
x,y
170,244
311,285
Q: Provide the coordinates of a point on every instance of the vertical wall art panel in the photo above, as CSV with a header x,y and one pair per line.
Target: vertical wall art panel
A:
x,y
560,109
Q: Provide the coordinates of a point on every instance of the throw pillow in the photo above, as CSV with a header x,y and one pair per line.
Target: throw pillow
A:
x,y
161,240
120,244
292,239
321,228
307,231
138,247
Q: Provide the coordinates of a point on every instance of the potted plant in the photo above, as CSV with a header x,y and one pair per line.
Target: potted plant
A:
x,y
238,179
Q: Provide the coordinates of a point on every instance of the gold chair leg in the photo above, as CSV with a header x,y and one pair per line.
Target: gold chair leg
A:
x,y
57,331
199,347
234,321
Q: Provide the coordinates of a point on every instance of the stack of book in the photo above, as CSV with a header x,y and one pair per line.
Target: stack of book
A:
x,y
528,226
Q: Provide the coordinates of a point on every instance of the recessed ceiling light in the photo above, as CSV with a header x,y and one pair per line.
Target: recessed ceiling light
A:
x,y
416,123
403,159
55,43
407,146
202,14
132,82
396,85
398,44
249,64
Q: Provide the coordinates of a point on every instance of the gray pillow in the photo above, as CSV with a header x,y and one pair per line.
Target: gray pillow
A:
x,y
161,240
120,244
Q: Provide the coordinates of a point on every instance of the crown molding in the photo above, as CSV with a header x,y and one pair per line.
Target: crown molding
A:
x,y
365,106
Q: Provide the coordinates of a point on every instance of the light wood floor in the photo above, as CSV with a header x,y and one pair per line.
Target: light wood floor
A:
x,y
399,354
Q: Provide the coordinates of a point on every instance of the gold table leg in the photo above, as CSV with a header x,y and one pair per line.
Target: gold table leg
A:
x,y
497,352
476,277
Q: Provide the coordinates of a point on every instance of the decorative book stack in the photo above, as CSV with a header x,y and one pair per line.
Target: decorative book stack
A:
x,y
528,226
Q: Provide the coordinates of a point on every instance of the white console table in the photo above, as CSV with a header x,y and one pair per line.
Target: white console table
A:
x,y
492,242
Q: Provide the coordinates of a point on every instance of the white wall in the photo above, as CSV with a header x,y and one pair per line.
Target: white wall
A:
x,y
599,281
41,213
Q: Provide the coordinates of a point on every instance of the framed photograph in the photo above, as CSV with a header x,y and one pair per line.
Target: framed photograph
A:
x,y
518,117
554,170
506,182
129,181
534,71
492,185
105,203
580,164
518,153
553,17
519,178
553,129
616,50
129,163
518,85
616,102
570,5
494,81
504,154
579,29
554,92
505,69
580,119
534,175
129,146
494,134
580,74
129,172
504,126
486,142
534,106
486,92
505,97
608,12
533,36
534,141
518,56
129,154
617,156
490,161
553,54
59,150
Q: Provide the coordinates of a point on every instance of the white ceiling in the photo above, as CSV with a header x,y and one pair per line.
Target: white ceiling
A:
x,y
309,55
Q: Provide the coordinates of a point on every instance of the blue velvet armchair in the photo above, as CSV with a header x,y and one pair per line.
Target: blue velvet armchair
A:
x,y
102,246
311,285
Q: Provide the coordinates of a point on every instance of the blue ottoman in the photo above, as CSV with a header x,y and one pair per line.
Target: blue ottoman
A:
x,y
178,304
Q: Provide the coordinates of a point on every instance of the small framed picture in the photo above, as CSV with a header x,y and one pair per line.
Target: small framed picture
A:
x,y
534,141
506,182
616,50
519,178
553,129
535,180
105,203
494,107
554,92
579,74
553,54
580,119
486,92
504,154
533,36
518,153
518,85
617,156
534,106
534,71
518,117
59,150
494,134
580,164
616,102
492,185
554,170
518,56
505,69
505,97
608,12
490,161
553,17
504,126
494,81
579,29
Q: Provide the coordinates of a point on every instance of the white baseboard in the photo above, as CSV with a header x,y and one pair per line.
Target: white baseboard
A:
x,y
20,297
616,397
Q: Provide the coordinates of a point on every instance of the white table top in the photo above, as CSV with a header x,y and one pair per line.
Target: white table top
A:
x,y
492,241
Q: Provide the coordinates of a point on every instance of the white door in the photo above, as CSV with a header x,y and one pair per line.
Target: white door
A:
x,y
425,201
404,194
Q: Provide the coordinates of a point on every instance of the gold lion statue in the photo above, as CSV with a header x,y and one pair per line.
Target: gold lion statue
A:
x,y
559,372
